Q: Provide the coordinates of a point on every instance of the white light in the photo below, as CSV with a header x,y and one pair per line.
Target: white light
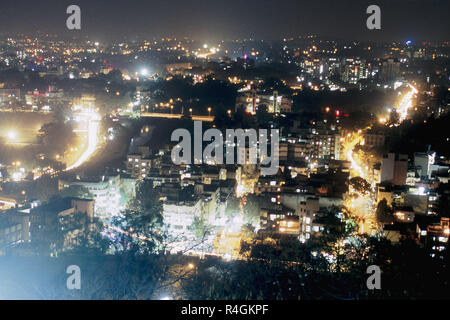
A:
x,y
12,135
144,72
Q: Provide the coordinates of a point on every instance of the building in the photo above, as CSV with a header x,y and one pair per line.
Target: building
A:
x,y
55,214
278,219
355,69
324,143
437,238
307,211
275,103
106,192
423,162
403,214
394,169
390,70
180,216
14,229
374,140
85,102
139,166
7,95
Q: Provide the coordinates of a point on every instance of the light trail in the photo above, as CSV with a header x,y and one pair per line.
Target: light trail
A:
x,y
92,132
402,109
406,103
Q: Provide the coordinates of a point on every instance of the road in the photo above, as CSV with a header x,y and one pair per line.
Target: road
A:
x,y
93,123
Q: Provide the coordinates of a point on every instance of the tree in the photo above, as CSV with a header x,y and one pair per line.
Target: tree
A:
x,y
83,235
360,185
142,223
262,116
56,136
384,213
200,227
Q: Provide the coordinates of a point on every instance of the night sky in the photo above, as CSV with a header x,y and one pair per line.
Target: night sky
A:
x,y
231,19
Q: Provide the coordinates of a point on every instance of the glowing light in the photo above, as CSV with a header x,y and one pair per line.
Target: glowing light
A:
x,y
12,135
93,126
17,176
144,72
406,103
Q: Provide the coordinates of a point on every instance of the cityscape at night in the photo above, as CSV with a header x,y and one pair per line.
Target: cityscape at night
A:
x,y
193,151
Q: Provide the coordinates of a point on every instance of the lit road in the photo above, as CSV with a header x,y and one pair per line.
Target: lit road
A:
x,y
92,143
361,205
406,103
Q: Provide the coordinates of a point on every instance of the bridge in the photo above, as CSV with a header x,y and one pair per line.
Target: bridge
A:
x,y
176,116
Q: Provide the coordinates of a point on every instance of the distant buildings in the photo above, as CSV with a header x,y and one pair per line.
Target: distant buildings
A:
x,y
7,95
275,103
390,70
355,69
179,68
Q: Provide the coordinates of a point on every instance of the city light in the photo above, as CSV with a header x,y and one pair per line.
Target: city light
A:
x,y
406,103
144,72
92,120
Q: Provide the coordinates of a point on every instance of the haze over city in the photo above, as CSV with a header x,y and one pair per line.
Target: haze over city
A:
x,y
226,20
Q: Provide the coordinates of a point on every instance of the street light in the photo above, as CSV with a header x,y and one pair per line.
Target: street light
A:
x,y
190,110
209,111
